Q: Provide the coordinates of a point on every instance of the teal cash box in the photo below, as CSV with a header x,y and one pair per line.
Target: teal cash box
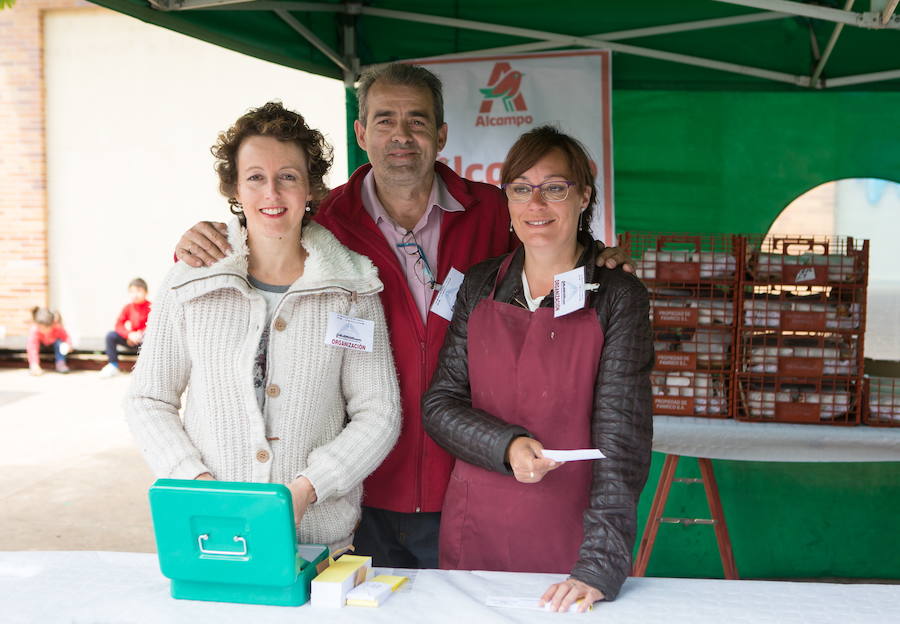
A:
x,y
232,542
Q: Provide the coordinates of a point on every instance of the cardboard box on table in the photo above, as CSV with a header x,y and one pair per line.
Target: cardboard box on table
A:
x,y
330,588
232,542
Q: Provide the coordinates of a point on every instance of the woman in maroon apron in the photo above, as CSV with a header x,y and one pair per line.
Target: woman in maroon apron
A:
x,y
513,380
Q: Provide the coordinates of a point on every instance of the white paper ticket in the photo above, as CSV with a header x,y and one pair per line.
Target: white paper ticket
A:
x,y
573,455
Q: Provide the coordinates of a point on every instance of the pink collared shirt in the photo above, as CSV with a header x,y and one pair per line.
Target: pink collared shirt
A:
x,y
427,233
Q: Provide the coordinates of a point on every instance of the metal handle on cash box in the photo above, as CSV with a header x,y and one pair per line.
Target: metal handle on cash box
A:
x,y
237,538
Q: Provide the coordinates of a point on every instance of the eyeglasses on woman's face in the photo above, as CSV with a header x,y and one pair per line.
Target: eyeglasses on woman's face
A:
x,y
552,191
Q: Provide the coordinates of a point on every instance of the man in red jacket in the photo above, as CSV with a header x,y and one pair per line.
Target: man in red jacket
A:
x,y
416,219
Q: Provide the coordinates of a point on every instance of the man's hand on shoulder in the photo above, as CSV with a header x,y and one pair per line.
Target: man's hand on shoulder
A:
x,y
203,244
612,257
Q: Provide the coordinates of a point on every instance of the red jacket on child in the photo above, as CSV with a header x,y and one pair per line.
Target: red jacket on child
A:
x,y
137,313
36,339
415,474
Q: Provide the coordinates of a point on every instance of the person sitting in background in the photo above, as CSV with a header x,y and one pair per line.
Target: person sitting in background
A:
x,y
281,345
130,326
514,379
47,334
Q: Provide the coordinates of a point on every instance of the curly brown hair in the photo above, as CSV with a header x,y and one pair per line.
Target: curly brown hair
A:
x,y
272,120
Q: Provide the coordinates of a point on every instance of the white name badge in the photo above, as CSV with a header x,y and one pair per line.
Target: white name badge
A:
x,y
568,292
348,332
446,297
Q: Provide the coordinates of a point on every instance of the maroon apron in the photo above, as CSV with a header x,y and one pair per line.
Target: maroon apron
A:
x,y
533,370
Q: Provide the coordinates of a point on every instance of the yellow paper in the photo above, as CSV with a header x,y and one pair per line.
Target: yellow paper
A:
x,y
394,581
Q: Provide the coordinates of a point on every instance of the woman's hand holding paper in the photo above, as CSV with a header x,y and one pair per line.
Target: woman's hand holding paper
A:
x,y
527,463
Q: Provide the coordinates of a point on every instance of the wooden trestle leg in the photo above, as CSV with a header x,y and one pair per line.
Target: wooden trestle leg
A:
x,y
715,507
656,511
655,517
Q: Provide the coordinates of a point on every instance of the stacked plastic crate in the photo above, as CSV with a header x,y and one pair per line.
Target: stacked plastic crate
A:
x,y
800,333
881,404
693,285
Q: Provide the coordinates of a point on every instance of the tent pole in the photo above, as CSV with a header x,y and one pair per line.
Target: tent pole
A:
x,y
247,5
310,36
801,81
845,81
889,9
863,20
635,32
355,155
820,66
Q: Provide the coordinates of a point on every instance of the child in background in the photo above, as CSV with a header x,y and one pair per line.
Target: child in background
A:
x,y
46,332
129,327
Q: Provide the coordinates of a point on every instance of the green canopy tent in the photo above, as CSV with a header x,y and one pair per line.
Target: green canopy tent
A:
x,y
723,112
728,109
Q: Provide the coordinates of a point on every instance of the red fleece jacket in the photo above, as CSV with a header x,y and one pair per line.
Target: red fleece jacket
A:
x,y
415,474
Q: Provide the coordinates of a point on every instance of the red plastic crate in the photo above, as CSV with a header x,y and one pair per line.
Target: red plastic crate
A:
x,y
694,306
805,309
693,281
882,401
669,258
691,393
822,401
693,349
801,355
807,260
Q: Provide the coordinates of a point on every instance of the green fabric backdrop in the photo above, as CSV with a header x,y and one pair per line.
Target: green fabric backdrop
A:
x,y
730,161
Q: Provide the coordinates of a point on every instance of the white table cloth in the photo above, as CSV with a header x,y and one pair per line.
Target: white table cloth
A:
x,y
776,442
106,588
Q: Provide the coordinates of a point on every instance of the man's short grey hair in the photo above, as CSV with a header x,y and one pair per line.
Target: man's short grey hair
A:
x,y
404,75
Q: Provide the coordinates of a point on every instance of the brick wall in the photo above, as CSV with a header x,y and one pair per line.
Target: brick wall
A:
x,y
23,196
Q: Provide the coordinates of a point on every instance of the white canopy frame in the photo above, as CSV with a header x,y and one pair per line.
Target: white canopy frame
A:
x,y
885,18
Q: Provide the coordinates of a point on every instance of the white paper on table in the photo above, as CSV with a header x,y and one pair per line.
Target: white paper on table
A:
x,y
523,602
573,455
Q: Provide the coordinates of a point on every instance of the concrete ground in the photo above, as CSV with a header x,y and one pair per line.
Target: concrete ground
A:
x,y
71,477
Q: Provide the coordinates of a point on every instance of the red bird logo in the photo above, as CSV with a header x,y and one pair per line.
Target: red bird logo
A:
x,y
505,83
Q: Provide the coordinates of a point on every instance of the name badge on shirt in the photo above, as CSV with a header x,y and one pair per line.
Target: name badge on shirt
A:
x,y
446,297
568,292
348,332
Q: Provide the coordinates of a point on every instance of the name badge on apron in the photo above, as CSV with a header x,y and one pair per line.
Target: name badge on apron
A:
x,y
446,297
348,332
568,292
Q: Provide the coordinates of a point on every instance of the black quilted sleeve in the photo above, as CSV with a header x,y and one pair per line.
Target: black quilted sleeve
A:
x,y
622,428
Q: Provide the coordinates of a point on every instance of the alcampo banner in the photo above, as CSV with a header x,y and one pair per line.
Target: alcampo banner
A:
x,y
490,101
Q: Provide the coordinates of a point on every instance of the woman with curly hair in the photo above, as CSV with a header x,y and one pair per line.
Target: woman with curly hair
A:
x,y
274,392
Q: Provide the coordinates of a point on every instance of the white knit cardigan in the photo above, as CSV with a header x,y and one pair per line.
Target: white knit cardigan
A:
x,y
331,414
